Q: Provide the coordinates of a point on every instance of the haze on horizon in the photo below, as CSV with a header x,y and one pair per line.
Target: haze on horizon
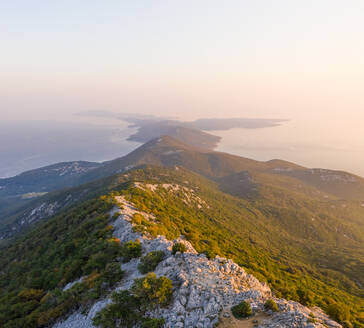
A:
x,y
299,60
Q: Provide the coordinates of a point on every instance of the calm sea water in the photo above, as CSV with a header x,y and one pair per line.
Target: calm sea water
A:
x,y
29,145
304,143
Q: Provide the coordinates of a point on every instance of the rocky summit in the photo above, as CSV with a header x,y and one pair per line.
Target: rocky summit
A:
x,y
204,290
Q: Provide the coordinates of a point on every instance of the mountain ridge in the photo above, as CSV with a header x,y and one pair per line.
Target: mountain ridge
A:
x,y
168,151
302,260
195,303
236,175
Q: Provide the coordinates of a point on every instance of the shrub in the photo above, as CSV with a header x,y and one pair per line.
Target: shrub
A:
x,y
347,324
179,247
130,250
139,228
122,312
31,294
305,296
153,323
337,312
96,262
150,261
271,305
112,273
210,254
242,310
138,218
128,307
152,291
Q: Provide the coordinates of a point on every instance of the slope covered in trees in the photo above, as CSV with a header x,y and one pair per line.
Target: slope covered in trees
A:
x,y
307,250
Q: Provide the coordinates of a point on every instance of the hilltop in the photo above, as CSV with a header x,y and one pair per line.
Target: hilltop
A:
x,y
270,182
204,289
272,236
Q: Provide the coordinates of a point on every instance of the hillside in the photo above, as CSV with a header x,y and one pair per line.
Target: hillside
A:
x,y
188,135
167,151
45,179
242,177
315,262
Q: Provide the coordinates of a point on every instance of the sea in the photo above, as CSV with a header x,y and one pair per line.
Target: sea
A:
x,y
26,145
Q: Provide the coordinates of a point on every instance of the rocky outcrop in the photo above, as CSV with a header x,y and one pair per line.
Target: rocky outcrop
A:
x,y
203,290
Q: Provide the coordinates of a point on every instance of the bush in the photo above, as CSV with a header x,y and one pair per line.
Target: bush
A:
x,y
153,323
337,312
150,261
305,296
347,324
271,305
209,254
242,310
31,294
122,312
112,273
128,307
179,247
130,250
138,218
153,291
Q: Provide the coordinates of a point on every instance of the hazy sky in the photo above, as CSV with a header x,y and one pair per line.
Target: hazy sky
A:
x,y
187,58
301,60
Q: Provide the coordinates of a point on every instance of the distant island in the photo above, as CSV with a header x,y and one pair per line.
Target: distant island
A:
x,y
190,132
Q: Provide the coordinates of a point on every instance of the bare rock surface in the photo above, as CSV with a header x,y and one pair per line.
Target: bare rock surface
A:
x,y
203,290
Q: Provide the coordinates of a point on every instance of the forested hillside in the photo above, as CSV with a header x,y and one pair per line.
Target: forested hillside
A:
x,y
307,250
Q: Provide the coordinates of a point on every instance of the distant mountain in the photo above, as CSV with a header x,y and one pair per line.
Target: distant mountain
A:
x,y
45,179
188,135
236,175
189,132
168,151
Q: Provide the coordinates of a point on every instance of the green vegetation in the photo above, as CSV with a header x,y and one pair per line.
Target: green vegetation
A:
x,y
123,309
131,250
347,324
152,291
210,254
271,305
128,307
273,238
36,267
307,250
242,310
153,323
150,261
338,312
178,247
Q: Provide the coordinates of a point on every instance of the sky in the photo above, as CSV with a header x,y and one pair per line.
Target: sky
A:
x,y
300,60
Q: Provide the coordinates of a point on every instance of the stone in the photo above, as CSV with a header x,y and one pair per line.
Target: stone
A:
x,y
203,288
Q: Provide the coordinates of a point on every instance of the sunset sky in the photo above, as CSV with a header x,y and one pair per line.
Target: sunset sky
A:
x,y
300,60
212,58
